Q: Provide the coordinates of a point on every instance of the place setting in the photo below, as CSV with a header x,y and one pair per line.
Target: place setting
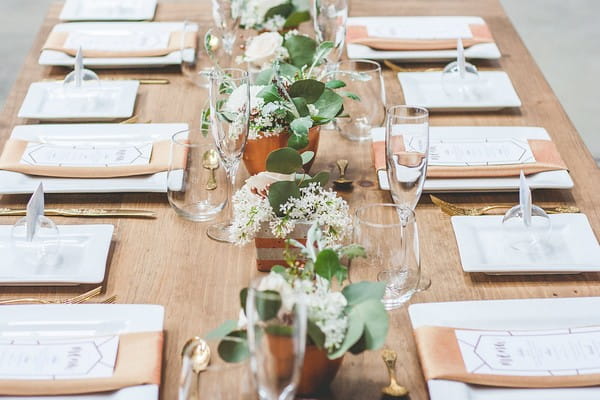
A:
x,y
293,252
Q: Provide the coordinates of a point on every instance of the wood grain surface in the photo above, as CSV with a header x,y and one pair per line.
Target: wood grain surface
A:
x,y
170,261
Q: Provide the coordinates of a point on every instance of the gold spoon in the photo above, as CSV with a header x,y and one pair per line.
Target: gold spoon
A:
x,y
393,389
210,161
199,353
342,182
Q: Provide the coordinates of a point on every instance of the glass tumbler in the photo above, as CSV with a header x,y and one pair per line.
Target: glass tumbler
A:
x,y
196,181
388,233
365,104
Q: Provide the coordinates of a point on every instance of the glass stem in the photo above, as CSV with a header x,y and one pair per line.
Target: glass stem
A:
x,y
231,171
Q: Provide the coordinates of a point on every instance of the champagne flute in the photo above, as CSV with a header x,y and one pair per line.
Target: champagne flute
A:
x,y
277,340
229,123
329,19
406,154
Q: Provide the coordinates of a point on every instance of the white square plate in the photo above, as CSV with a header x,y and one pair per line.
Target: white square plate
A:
x,y
84,250
60,320
108,10
52,57
487,51
525,314
17,183
570,248
542,180
494,88
94,101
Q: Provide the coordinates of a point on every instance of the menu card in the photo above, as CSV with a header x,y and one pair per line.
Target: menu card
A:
x,y
51,359
86,155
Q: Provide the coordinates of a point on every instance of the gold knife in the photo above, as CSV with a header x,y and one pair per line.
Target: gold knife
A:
x,y
85,212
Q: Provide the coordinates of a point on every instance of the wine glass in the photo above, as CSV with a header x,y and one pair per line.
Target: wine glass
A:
x,y
388,233
277,340
227,15
229,117
329,19
406,155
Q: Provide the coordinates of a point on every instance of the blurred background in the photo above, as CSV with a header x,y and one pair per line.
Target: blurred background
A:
x,y
563,37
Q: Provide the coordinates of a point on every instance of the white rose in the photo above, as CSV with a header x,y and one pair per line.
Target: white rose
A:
x,y
237,99
260,182
263,48
276,283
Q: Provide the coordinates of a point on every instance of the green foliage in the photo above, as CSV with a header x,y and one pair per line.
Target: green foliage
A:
x,y
223,330
309,89
284,10
298,141
280,193
300,127
301,50
329,104
270,94
267,304
335,84
296,18
328,266
234,347
284,161
306,157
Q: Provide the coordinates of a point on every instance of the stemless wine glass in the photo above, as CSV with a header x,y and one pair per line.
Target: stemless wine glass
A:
x,y
388,233
329,19
196,183
227,15
366,105
277,339
406,152
229,124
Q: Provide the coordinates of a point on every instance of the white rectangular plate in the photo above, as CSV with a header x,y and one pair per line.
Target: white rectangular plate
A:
x,y
487,51
93,101
570,248
542,180
494,92
14,182
60,320
52,57
108,10
526,314
84,250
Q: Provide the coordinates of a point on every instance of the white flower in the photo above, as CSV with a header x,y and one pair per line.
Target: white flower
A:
x,y
264,48
261,181
237,100
277,283
275,23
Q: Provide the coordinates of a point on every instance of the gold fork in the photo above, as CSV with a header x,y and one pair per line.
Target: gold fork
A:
x,y
72,300
453,210
110,300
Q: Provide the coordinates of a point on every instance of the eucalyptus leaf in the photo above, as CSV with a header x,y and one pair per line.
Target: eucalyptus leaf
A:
x,y
327,264
352,251
298,141
222,330
350,95
353,335
329,104
321,178
321,52
284,161
315,334
309,89
234,347
279,330
279,269
264,77
362,291
284,10
307,156
376,323
301,106
335,84
296,18
243,298
280,192
288,71
301,50
267,304
269,94
300,126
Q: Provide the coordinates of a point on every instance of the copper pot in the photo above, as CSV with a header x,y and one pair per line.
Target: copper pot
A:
x,y
257,150
318,371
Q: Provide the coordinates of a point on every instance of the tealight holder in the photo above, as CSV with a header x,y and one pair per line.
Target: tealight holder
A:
x,y
462,85
523,237
44,248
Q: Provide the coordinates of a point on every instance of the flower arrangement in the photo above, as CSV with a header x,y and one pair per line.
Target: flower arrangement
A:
x,y
274,15
352,319
281,198
289,94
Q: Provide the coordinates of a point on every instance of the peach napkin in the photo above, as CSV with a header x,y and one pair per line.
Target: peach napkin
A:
x,y
441,359
359,34
56,41
545,152
139,362
159,161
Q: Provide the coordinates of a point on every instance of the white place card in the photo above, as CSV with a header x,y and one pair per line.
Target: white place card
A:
x,y
52,359
420,29
86,155
564,352
118,40
35,209
475,152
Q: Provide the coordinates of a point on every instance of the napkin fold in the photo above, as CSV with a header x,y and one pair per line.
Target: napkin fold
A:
x,y
10,160
545,152
139,362
441,358
359,34
178,39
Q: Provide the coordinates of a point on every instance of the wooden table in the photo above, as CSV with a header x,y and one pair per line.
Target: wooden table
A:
x,y
170,261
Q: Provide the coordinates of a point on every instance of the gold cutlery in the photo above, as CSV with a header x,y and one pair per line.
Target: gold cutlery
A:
x,y
142,81
393,389
134,120
109,300
453,210
72,300
199,352
153,81
210,161
84,212
341,182
396,68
